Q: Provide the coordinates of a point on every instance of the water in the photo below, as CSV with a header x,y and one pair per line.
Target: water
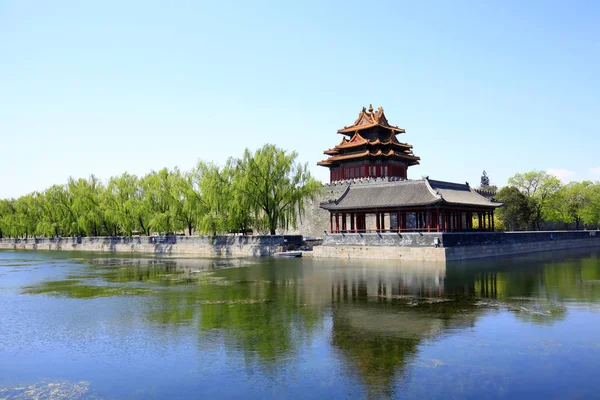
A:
x,y
80,326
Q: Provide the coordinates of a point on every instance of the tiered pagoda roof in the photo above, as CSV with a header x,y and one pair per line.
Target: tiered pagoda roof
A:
x,y
369,119
371,136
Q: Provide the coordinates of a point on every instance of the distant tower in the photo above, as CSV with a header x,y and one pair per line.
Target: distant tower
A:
x,y
370,149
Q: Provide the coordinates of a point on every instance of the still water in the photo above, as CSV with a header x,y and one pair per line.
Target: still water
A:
x,y
95,326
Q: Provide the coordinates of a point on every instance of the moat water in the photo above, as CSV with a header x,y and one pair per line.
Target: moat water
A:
x,y
89,325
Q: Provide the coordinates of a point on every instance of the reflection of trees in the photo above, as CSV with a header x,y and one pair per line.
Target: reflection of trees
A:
x,y
376,358
534,287
379,322
263,319
380,312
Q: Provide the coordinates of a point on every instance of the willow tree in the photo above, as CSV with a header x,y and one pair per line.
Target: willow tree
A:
x,y
215,197
87,194
8,225
158,197
121,202
187,202
275,186
27,214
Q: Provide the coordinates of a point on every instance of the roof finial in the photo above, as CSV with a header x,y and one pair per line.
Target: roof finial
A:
x,y
370,108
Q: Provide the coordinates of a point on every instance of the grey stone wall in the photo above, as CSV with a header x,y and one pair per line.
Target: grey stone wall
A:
x,y
454,239
412,239
507,249
457,239
314,221
452,246
211,246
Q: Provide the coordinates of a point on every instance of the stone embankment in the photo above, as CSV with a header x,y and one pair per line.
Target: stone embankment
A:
x,y
210,246
429,247
442,247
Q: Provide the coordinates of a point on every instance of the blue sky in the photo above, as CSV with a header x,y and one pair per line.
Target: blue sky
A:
x,y
108,87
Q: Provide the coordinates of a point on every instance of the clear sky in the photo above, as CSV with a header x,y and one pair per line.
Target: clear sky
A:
x,y
112,86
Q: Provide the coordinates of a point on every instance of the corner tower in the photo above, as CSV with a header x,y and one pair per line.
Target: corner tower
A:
x,y
369,149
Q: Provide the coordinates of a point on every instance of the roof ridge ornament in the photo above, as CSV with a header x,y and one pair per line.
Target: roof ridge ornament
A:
x,y
371,108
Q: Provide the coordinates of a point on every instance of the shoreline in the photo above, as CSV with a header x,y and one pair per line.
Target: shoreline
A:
x,y
426,246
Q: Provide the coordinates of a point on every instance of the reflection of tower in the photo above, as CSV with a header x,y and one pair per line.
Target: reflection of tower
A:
x,y
380,315
471,283
388,284
488,285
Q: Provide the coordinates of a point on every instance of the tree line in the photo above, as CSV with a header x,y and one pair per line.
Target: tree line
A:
x,y
536,200
261,191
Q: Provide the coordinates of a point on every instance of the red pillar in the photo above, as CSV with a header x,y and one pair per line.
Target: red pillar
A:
x,y
330,222
382,221
437,219
443,220
480,220
377,221
337,222
343,222
493,220
399,219
352,225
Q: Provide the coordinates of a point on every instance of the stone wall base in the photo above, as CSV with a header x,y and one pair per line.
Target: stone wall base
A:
x,y
429,254
217,246
496,250
441,254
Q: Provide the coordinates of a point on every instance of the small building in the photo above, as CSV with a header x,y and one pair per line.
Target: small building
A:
x,y
378,197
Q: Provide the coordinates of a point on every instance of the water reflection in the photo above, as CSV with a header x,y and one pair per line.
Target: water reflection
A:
x,y
376,315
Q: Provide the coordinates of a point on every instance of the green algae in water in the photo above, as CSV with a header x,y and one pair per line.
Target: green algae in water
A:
x,y
74,289
341,330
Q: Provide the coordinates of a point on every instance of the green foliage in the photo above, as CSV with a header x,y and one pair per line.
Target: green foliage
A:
x,y
539,187
591,210
216,190
485,183
264,191
536,196
517,211
485,180
275,186
569,203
